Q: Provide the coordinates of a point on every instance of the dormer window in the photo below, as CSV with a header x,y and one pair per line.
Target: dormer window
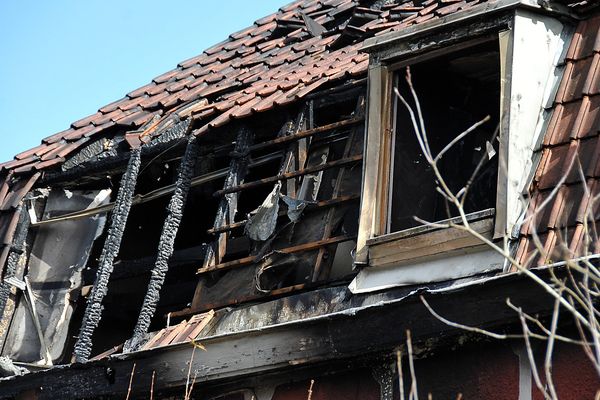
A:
x,y
462,70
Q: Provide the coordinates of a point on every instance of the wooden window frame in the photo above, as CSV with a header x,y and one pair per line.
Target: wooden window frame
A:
x,y
384,246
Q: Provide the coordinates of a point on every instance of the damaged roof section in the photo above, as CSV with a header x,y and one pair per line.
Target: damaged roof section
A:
x,y
209,208
265,209
277,61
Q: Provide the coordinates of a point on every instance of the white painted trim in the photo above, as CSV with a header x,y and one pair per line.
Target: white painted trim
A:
x,y
536,44
445,267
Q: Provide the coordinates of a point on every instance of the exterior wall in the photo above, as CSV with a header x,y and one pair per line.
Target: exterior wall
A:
x,y
490,371
357,385
574,375
476,372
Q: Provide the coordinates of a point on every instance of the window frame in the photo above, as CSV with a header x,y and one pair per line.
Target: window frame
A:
x,y
379,147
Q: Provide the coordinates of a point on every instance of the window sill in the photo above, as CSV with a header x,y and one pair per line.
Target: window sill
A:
x,y
427,241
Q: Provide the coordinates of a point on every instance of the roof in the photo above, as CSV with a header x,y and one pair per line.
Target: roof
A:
x,y
562,203
287,55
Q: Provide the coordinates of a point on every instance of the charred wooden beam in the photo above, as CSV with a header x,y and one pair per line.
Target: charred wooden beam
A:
x,y
15,253
287,250
118,221
260,226
328,228
309,207
307,133
289,175
228,206
166,244
338,93
158,193
238,168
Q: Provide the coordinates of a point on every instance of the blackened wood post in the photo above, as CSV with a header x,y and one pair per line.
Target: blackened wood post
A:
x,y
167,243
17,249
118,220
238,167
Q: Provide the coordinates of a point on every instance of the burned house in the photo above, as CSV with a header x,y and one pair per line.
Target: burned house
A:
x,y
252,224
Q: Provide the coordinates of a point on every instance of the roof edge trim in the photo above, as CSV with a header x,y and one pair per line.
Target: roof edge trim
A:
x,y
372,45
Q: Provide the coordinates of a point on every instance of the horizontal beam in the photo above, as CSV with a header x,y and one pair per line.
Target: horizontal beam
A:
x,y
309,207
289,175
155,194
307,133
288,250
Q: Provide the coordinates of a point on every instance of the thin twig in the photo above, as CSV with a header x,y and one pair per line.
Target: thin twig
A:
x,y
460,136
152,385
310,389
464,327
413,394
130,382
550,351
400,375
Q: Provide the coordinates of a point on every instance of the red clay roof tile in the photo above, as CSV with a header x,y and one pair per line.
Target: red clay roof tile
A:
x,y
576,79
590,120
586,37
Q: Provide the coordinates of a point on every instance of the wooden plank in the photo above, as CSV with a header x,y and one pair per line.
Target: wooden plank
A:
x,y
238,168
309,207
288,250
289,175
157,193
336,190
307,133
377,89
422,229
429,244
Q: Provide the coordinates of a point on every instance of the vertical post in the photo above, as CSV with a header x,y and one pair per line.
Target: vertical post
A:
x,y
18,247
228,205
118,220
166,244
374,174
328,229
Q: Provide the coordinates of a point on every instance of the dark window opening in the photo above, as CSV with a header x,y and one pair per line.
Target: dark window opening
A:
x,y
455,91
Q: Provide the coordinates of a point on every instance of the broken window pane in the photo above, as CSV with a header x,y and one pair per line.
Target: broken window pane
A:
x,y
455,91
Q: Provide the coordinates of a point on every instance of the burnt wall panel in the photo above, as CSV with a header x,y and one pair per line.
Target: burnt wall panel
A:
x,y
58,256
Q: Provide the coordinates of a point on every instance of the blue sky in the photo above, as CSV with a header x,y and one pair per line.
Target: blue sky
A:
x,y
61,60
